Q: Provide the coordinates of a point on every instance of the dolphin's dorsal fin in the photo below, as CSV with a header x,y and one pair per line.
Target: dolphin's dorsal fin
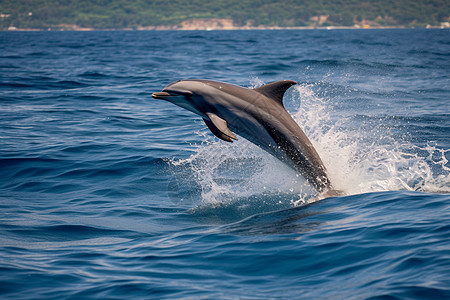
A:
x,y
276,90
219,128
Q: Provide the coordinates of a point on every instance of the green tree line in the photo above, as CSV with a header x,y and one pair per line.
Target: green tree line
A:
x,y
103,14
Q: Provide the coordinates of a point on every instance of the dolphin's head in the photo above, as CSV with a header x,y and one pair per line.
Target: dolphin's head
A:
x,y
176,91
188,94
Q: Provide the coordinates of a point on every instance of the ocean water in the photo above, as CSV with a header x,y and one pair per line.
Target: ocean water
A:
x,y
107,193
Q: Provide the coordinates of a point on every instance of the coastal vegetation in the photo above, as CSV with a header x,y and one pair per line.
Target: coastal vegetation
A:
x,y
148,14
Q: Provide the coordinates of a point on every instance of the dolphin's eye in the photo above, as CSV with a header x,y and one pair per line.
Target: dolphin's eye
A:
x,y
188,94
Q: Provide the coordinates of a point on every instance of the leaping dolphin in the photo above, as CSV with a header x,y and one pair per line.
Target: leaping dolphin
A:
x,y
258,115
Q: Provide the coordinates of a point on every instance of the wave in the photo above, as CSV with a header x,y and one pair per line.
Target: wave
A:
x,y
42,83
345,210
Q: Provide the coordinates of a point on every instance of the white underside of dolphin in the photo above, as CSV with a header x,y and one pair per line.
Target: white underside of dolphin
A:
x,y
258,115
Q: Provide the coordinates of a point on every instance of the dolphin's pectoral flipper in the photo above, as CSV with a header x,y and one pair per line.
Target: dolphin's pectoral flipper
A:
x,y
219,128
217,132
276,90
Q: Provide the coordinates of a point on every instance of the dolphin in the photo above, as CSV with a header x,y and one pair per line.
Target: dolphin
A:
x,y
258,115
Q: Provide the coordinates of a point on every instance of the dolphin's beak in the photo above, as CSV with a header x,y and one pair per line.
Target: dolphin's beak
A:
x,y
168,94
162,95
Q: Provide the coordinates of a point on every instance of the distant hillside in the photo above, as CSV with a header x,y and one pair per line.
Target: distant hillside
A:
x,y
107,14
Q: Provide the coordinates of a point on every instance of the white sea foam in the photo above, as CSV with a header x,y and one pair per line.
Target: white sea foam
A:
x,y
368,158
357,160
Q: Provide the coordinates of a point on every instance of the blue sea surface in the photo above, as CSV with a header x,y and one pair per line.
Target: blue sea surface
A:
x,y
106,193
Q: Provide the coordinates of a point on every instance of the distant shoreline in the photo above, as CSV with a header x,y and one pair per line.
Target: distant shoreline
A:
x,y
162,28
210,24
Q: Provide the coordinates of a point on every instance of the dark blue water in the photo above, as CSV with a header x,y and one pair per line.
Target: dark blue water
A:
x,y
107,193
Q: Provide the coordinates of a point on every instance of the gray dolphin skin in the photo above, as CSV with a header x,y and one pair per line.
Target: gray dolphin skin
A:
x,y
258,115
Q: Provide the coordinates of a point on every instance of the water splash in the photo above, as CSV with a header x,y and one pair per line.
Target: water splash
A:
x,y
369,157
360,157
226,172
